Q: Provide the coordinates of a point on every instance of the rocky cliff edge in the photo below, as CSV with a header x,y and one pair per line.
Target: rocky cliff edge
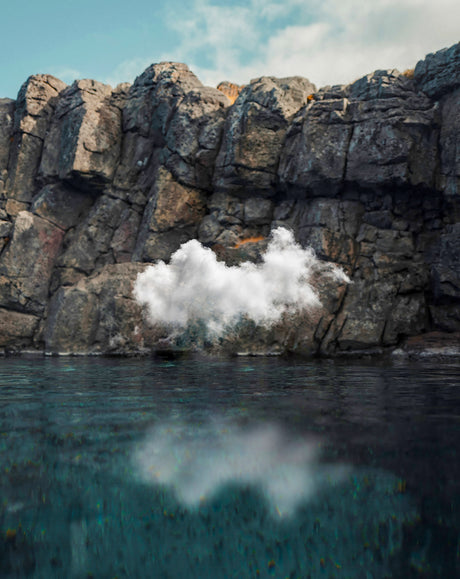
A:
x,y
95,182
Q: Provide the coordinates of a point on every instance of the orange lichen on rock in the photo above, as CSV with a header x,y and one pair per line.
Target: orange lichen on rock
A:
x,y
409,73
310,97
230,90
249,240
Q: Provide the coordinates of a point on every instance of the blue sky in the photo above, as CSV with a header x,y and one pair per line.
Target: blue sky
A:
x,y
327,41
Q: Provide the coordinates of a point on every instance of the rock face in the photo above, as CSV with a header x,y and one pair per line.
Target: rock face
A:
x,y
96,182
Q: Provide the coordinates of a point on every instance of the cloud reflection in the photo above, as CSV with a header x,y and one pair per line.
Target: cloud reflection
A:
x,y
197,461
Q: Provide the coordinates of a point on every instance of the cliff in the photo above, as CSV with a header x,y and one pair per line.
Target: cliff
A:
x,y
95,182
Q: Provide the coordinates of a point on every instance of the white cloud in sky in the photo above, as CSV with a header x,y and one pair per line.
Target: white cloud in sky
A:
x,y
327,41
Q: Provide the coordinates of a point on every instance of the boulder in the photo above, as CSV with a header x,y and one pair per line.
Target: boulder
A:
x,y
17,330
254,133
62,205
27,262
88,245
449,145
171,218
170,119
99,315
439,73
7,107
395,133
35,106
84,140
315,152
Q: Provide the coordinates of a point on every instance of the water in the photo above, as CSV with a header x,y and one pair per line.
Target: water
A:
x,y
238,468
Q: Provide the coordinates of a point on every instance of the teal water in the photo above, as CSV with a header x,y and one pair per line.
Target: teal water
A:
x,y
235,468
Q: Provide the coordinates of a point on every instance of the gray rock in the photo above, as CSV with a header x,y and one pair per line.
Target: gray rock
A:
x,y
27,262
439,73
446,267
62,205
254,133
88,246
99,314
449,144
17,330
84,140
7,107
35,106
368,175
394,137
171,217
258,211
315,152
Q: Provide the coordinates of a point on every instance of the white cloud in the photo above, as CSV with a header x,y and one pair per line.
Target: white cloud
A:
x,y
328,41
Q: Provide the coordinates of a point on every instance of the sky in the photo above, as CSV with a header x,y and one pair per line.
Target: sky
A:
x,y
327,41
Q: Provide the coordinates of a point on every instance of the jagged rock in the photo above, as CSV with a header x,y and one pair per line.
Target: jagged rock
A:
x,y
170,118
449,144
394,138
17,330
315,153
367,174
35,107
171,218
193,136
337,140
84,139
27,262
6,133
5,228
88,246
254,132
99,314
439,73
230,90
62,205
258,211
124,237
446,267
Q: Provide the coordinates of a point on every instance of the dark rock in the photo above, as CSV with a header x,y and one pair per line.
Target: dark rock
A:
x,y
439,73
35,107
17,330
432,345
171,217
7,107
27,262
89,245
402,149
99,314
315,153
84,140
449,144
368,174
446,266
62,205
254,133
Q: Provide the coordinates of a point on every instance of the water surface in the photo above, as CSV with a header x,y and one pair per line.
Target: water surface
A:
x,y
228,468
